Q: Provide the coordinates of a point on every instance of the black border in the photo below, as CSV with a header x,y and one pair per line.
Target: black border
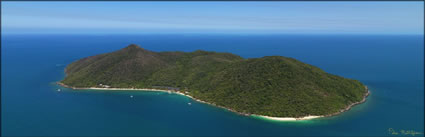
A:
x,y
218,0
1,37
223,0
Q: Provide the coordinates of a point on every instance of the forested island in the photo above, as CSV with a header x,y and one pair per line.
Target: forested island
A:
x,y
272,86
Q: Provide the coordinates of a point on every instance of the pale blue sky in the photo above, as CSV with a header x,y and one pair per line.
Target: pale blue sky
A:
x,y
218,17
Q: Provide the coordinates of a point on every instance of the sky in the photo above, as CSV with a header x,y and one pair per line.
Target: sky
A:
x,y
214,17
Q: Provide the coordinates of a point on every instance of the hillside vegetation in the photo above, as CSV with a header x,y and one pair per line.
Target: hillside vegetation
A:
x,y
272,85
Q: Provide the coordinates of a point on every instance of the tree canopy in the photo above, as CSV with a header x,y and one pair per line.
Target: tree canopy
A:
x,y
272,85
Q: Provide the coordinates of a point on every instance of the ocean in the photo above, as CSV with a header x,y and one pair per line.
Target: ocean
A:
x,y
392,66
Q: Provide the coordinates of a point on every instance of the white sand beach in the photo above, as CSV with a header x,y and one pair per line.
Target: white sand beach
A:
x,y
260,116
287,118
139,89
181,93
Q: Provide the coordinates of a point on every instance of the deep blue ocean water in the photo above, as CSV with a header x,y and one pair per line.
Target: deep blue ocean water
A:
x,y
392,66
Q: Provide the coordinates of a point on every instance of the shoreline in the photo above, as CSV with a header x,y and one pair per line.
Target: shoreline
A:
x,y
320,116
309,117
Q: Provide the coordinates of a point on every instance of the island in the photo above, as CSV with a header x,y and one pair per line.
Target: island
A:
x,y
273,87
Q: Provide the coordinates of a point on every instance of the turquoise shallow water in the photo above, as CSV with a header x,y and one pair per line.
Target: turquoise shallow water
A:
x,y
392,67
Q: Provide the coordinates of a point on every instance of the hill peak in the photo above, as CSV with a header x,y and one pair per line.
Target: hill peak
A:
x,y
133,46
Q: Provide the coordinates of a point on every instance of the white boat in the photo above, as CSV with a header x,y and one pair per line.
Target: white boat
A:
x,y
189,103
131,96
59,89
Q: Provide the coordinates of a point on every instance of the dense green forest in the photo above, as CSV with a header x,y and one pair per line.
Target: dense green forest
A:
x,y
272,85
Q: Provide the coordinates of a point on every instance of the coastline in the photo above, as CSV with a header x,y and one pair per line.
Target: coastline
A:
x,y
314,117
245,114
